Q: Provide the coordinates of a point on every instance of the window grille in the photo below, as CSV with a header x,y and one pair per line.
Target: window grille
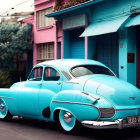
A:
x,y
46,51
43,21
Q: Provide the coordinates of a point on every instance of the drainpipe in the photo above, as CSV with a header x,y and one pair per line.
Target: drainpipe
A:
x,y
55,41
62,43
34,54
86,39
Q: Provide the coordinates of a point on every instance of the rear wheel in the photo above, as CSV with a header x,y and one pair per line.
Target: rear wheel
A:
x,y
4,113
68,122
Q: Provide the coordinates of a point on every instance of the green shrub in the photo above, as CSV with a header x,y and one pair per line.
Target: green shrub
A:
x,y
4,79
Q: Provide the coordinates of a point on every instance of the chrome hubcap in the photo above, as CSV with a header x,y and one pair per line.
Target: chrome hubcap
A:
x,y
67,117
2,107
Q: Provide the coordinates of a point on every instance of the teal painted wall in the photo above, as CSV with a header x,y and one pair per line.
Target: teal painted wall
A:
x,y
123,40
110,9
127,43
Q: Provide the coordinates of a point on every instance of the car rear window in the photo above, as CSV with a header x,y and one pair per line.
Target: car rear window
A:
x,y
90,70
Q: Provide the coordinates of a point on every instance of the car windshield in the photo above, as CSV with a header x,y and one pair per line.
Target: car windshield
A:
x,y
90,70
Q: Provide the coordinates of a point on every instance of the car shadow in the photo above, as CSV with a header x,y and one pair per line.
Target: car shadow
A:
x,y
107,134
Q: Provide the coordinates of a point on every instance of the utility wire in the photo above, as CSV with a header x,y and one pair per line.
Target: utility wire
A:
x,y
15,6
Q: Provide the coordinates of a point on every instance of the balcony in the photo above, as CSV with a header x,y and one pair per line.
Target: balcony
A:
x,y
37,2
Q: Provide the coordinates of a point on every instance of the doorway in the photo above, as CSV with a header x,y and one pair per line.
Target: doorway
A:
x,y
108,51
77,44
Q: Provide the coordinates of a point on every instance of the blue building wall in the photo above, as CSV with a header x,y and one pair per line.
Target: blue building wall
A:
x,y
104,11
115,9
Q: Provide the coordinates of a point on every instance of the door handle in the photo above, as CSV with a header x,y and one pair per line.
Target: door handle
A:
x,y
58,83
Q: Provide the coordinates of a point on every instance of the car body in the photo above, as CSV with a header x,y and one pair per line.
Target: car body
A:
x,y
73,92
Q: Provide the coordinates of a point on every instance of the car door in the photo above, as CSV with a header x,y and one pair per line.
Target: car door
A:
x,y
51,85
28,97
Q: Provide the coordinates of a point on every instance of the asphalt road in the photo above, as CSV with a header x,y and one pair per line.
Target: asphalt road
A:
x,y
25,129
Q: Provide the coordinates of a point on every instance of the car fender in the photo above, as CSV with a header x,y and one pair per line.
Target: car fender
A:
x,y
77,103
9,97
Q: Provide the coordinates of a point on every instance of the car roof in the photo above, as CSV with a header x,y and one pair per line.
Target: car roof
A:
x,y
67,64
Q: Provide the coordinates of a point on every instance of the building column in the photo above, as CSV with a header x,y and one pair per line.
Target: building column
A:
x,y
55,41
34,54
86,39
123,54
62,46
127,55
86,47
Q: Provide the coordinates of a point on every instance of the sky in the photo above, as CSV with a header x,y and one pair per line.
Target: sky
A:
x,y
6,6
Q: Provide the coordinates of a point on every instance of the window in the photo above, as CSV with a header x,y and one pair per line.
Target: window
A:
x,y
36,74
43,21
46,51
51,74
90,70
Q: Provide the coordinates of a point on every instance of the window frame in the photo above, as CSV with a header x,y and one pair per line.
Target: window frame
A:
x,y
42,20
60,79
33,70
113,74
47,47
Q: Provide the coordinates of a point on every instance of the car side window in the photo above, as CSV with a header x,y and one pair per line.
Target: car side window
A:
x,y
51,74
36,74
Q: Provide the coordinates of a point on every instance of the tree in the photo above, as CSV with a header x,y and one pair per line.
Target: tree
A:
x,y
14,42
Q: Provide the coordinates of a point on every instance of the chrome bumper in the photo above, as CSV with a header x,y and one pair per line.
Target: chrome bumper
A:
x,y
120,123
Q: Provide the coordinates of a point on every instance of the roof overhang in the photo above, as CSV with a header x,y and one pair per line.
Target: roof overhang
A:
x,y
135,20
57,13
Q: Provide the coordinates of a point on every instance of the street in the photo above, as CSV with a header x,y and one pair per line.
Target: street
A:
x,y
25,129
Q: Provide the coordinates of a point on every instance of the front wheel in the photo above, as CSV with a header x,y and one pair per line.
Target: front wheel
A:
x,y
68,122
4,113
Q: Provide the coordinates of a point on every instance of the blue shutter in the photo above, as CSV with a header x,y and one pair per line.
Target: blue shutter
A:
x,y
78,49
77,46
108,51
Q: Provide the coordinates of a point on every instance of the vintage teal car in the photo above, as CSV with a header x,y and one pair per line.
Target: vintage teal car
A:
x,y
73,92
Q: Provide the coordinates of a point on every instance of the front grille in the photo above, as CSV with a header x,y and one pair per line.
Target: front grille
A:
x,y
107,112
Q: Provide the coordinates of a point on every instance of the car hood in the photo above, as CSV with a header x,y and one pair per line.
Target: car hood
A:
x,y
118,92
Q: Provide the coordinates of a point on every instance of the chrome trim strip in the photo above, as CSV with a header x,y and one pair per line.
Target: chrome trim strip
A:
x,y
7,97
68,102
119,123
94,99
127,109
70,82
104,124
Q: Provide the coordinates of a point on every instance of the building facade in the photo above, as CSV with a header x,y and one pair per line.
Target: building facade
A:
x,y
47,33
104,30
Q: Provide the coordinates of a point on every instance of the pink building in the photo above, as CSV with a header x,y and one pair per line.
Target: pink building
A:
x,y
47,33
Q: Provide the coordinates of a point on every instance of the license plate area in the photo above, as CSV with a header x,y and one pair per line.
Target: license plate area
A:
x,y
133,120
